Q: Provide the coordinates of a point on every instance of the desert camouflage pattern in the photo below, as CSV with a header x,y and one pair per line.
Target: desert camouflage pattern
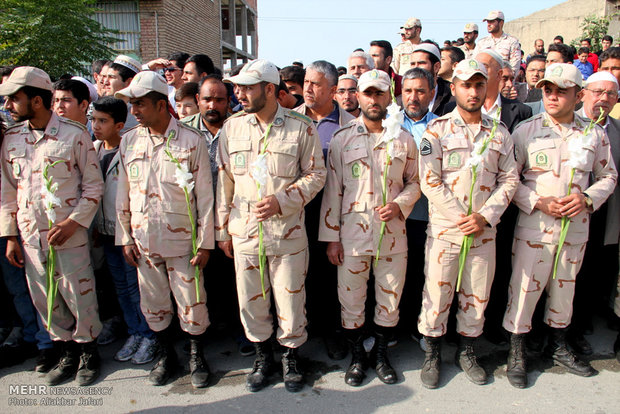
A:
x,y
532,269
75,315
446,180
507,46
541,151
152,214
80,184
356,162
401,62
441,272
353,277
151,210
157,277
285,278
296,174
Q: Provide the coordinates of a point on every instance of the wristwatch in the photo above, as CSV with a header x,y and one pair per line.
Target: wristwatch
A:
x,y
588,200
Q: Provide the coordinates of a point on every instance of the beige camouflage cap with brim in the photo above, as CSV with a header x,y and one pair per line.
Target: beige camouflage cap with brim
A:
x,y
494,15
470,27
467,68
563,75
374,79
25,76
256,71
143,83
411,23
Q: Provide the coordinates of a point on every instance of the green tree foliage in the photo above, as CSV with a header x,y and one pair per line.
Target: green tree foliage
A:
x,y
58,36
594,28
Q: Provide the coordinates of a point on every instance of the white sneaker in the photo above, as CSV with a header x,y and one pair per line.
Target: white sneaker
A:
x,y
129,349
147,351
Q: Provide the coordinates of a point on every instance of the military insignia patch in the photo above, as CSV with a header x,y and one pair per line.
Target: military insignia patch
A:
x,y
360,129
356,170
425,147
134,171
53,131
454,160
473,64
278,122
240,160
16,169
557,71
542,160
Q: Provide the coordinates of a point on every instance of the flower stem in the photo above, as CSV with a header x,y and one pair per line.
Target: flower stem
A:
x,y
564,230
382,233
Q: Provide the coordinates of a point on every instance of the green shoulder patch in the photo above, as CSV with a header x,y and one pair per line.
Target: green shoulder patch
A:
x,y
299,116
74,123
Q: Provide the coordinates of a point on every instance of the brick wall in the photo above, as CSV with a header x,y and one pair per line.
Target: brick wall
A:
x,y
191,26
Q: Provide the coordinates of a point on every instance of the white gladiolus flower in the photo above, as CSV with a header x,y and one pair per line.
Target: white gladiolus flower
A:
x,y
393,122
477,154
49,201
578,155
259,171
183,177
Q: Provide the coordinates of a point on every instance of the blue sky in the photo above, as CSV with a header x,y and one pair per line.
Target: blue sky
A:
x,y
332,29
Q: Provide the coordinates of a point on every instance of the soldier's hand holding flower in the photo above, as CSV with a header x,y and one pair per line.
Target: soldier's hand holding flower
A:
x,y
572,204
551,206
472,224
389,211
62,232
267,207
201,258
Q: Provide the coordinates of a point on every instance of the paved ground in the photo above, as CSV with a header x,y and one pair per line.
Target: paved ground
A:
x,y
124,388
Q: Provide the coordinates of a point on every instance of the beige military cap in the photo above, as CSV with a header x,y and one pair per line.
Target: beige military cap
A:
x,y
25,76
564,75
467,68
143,83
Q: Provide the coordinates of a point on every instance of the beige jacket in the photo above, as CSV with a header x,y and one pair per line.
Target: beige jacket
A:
x,y
296,174
79,179
354,189
151,209
541,151
446,179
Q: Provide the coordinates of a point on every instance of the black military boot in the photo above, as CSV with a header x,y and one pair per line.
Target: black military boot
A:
x,y
432,361
46,360
558,350
67,365
359,363
465,359
198,368
384,370
516,368
293,377
90,364
167,364
263,367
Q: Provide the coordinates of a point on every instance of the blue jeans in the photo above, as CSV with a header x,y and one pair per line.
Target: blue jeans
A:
x,y
15,281
125,278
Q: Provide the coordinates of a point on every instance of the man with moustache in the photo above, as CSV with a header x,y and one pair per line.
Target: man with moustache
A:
x,y
506,45
418,89
403,51
446,179
346,94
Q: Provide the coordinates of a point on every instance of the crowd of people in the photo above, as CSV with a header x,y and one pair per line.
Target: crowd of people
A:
x,y
437,191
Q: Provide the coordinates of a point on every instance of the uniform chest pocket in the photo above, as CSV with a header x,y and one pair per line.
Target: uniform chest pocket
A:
x,y
455,153
541,155
239,153
135,165
17,158
282,160
60,154
355,165
397,162
169,168
491,160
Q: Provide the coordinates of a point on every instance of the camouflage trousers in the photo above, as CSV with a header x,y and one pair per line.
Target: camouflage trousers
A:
x,y
75,315
285,277
157,277
532,272
441,272
353,278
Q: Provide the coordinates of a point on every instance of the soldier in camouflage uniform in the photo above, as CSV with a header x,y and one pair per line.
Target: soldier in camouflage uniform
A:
x,y
153,224
29,147
446,179
544,161
351,215
292,172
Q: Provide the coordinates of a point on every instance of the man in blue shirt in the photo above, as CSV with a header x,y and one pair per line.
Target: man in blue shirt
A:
x,y
417,92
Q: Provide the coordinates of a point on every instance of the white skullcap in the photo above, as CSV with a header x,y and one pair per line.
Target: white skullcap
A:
x,y
601,76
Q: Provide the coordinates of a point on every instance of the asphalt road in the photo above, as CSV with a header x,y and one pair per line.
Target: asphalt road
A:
x,y
124,388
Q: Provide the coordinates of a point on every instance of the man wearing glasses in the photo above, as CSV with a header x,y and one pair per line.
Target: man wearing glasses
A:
x,y
172,69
